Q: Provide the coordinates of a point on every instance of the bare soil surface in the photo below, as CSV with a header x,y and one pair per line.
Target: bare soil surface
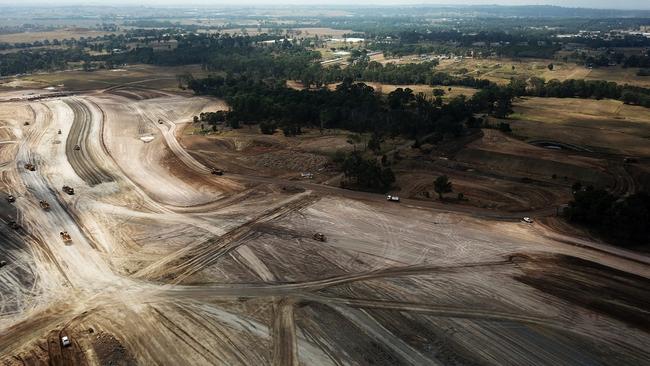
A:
x,y
169,264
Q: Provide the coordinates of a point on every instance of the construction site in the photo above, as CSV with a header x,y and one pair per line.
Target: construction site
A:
x,y
127,240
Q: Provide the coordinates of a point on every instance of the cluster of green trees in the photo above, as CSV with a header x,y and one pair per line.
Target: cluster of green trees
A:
x,y
576,88
214,51
352,106
625,220
27,61
367,174
361,69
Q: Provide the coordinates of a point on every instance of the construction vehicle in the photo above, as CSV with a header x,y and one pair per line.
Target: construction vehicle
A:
x,y
30,166
59,131
65,341
319,237
65,237
69,190
307,175
216,171
77,147
160,121
26,123
44,205
11,199
3,263
527,220
392,198
13,224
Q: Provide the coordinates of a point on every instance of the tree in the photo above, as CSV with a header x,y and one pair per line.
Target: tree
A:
x,y
442,185
374,144
268,128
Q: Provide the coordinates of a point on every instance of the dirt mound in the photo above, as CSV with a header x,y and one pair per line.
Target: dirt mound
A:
x,y
110,351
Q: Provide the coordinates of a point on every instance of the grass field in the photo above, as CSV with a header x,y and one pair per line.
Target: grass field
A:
x,y
501,70
61,34
602,125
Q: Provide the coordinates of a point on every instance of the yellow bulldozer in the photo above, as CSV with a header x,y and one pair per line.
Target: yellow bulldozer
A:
x,y
65,237
44,205
319,237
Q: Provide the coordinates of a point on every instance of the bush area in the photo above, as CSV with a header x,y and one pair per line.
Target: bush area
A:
x,y
623,220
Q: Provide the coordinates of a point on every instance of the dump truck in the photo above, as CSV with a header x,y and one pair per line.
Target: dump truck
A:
x,y
69,190
65,236
11,199
216,171
65,341
392,198
77,147
44,205
30,166
319,237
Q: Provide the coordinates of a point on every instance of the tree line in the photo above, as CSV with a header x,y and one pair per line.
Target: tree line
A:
x,y
623,219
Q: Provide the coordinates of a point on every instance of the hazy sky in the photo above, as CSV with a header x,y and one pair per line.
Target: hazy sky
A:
x,y
608,4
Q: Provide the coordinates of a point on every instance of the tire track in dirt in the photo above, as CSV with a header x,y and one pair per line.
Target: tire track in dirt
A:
x,y
285,350
188,261
83,161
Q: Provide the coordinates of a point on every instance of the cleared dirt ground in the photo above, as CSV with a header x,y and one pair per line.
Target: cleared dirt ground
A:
x,y
171,265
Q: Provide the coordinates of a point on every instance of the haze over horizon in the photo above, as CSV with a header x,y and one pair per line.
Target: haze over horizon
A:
x,y
595,4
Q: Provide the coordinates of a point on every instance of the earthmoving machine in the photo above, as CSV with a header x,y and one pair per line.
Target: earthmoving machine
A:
x,y
65,237
30,167
319,237
44,205
77,147
13,224
69,190
11,199
216,171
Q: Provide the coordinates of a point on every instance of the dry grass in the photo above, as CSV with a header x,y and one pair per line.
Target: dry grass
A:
x,y
501,70
604,125
61,34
